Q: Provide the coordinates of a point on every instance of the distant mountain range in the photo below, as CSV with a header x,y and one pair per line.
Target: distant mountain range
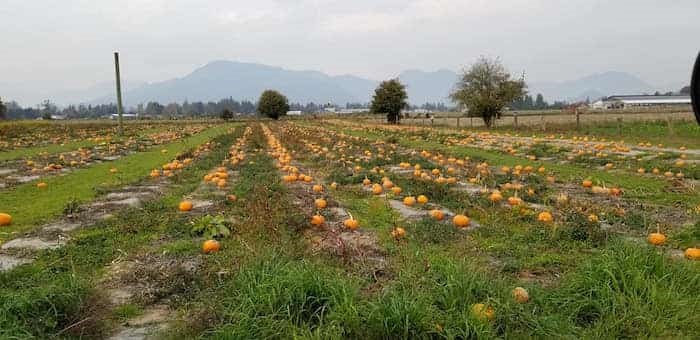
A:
x,y
594,86
245,81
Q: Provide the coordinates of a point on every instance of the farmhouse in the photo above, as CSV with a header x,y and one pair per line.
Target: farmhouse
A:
x,y
626,102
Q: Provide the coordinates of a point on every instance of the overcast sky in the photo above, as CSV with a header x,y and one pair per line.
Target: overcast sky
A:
x,y
62,45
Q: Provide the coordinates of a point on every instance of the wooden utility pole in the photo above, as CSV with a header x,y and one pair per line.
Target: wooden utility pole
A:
x,y
120,109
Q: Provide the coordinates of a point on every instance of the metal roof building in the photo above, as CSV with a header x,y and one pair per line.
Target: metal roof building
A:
x,y
621,102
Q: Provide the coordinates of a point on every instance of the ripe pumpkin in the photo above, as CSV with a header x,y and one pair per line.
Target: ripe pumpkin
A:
x,y
317,188
461,221
422,199
396,190
320,203
5,219
334,185
593,218
351,223
377,189
42,185
545,217
317,220
495,196
185,206
409,201
692,253
398,232
587,183
514,200
437,214
232,198
483,312
366,182
656,239
211,246
521,295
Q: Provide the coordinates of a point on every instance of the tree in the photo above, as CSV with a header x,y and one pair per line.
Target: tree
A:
x,y
389,99
685,90
3,110
486,88
540,104
48,109
154,108
226,114
273,104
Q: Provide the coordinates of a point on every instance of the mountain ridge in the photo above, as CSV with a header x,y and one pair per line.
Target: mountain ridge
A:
x,y
245,81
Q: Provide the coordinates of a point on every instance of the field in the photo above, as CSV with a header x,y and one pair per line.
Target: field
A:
x,y
346,228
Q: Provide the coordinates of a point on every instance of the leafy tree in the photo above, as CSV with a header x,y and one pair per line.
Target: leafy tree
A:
x,y
486,88
226,114
685,90
539,102
273,104
154,108
389,99
48,109
3,110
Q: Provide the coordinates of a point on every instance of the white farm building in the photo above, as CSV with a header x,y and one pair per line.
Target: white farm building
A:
x,y
626,102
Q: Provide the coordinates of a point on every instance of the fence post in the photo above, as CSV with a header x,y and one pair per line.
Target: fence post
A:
x,y
619,126
669,122
471,122
515,119
578,120
543,122
457,121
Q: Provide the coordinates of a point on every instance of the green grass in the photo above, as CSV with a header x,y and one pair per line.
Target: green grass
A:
x,y
50,149
636,187
685,133
265,283
30,205
58,289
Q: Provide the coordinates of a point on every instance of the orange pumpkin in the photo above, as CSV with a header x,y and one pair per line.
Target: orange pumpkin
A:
x,y
514,200
656,239
422,199
211,246
409,201
42,185
545,217
587,183
232,198
318,220
398,232
185,206
351,224
461,221
437,214
320,203
5,219
692,253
